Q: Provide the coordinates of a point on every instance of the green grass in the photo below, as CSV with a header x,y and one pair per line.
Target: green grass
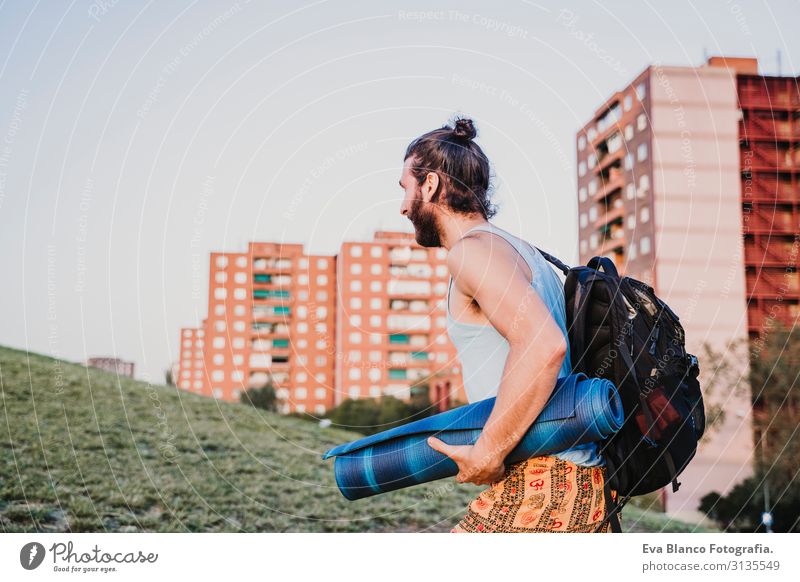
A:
x,y
83,450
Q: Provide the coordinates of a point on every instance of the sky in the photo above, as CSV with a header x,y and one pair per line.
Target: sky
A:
x,y
137,137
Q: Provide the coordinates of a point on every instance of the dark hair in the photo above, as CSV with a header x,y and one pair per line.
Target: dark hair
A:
x,y
462,167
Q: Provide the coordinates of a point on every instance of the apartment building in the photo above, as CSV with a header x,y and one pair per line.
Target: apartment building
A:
x,y
390,321
684,180
113,365
324,328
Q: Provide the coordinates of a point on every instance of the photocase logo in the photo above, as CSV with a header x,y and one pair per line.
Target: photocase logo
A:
x,y
31,555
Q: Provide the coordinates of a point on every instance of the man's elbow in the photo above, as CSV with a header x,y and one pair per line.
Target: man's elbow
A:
x,y
557,352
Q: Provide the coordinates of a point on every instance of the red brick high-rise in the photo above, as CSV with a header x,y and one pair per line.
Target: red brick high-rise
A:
x,y
688,180
362,324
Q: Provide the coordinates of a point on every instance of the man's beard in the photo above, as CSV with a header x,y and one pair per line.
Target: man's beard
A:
x,y
426,224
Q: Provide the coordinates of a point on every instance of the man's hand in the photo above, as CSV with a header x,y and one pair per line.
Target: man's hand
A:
x,y
473,466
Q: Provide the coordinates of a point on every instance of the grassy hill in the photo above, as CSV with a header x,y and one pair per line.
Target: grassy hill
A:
x,y
83,450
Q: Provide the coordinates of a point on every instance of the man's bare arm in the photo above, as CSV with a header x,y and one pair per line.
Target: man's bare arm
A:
x,y
537,347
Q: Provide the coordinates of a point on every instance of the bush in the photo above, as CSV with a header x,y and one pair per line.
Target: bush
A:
x,y
263,397
370,415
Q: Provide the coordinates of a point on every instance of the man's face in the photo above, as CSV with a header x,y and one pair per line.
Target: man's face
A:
x,y
418,210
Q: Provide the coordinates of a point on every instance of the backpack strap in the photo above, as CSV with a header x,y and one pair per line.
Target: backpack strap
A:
x,y
555,261
613,508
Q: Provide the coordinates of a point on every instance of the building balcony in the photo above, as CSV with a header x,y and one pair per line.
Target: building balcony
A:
x,y
614,182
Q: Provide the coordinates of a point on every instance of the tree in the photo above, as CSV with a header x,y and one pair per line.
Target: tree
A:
x,y
262,397
775,484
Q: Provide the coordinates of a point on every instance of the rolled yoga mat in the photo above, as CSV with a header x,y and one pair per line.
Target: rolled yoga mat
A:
x,y
580,410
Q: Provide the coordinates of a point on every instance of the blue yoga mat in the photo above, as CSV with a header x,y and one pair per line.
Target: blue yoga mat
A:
x,y
580,410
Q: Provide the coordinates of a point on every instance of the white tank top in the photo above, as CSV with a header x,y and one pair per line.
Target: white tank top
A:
x,y
482,350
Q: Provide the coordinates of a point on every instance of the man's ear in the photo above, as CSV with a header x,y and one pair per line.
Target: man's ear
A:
x,y
430,186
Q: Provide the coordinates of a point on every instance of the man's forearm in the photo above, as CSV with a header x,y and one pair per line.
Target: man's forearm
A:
x,y
528,381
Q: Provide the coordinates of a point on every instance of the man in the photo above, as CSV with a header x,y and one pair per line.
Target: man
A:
x,y
506,318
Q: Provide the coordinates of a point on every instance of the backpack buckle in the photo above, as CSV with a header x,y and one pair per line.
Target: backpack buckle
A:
x,y
693,361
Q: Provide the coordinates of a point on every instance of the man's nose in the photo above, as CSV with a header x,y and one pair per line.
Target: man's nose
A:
x,y
404,208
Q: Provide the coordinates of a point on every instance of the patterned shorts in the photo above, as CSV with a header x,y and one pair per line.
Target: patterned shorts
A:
x,y
542,494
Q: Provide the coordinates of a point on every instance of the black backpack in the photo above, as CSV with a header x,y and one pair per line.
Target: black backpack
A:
x,y
619,329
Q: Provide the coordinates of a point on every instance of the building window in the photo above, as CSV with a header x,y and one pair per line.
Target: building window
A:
x,y
355,268
584,221
355,320
302,327
630,191
593,213
219,325
320,393
641,122
582,194
632,251
374,374
581,142
641,90
644,245
301,377
628,161
301,392
322,263
627,103
644,185
374,356
375,286
593,241
355,251
240,293
218,375
322,295
219,342
237,375
375,269
644,214
355,337
584,246
376,251
629,132
355,303
593,187
221,277
641,152
220,293
355,373
218,359
355,285
582,168
302,279
375,303
217,392
238,310
354,392
238,343
222,262
322,279
240,277
374,391
631,221
375,321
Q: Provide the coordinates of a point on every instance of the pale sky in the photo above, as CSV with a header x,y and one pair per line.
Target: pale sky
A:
x,y
136,137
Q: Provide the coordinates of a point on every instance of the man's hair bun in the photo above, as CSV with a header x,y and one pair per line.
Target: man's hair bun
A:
x,y
464,129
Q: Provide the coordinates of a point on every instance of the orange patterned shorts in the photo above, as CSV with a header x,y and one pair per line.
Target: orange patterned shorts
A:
x,y
542,494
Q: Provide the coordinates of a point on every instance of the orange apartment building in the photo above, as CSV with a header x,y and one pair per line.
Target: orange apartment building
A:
x,y
275,312
390,321
687,179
